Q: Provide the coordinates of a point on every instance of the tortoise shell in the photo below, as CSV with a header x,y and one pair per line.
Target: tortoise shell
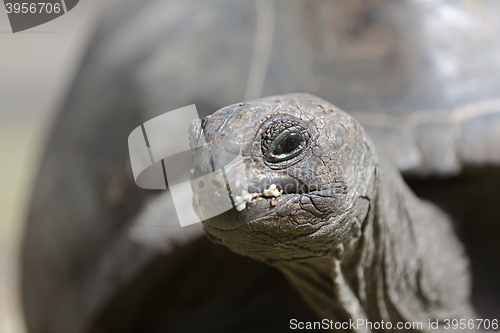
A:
x,y
388,63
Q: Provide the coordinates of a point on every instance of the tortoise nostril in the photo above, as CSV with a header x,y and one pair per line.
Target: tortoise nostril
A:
x,y
201,184
216,183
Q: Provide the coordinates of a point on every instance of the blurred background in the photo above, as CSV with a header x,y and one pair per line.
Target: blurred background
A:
x,y
36,67
148,57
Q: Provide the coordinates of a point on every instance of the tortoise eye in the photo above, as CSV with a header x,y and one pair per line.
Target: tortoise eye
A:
x,y
286,145
292,143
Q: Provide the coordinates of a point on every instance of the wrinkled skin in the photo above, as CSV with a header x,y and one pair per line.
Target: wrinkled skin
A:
x,y
347,232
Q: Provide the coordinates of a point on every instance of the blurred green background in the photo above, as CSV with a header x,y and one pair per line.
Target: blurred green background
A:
x,y
36,67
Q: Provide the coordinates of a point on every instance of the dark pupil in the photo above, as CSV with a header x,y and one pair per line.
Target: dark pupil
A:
x,y
287,146
292,144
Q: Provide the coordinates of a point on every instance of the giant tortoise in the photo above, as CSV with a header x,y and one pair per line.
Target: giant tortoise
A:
x,y
422,78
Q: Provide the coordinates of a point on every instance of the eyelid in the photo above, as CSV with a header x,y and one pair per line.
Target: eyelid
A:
x,y
274,131
280,138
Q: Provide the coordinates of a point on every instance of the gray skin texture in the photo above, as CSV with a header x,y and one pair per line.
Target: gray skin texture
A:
x,y
148,57
347,232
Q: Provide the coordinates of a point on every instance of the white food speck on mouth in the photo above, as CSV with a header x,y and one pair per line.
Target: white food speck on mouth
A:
x,y
272,191
241,201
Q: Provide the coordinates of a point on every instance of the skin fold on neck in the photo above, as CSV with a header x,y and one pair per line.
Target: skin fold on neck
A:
x,y
407,265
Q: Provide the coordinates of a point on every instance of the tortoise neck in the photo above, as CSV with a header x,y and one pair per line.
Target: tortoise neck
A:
x,y
407,265
312,278
413,266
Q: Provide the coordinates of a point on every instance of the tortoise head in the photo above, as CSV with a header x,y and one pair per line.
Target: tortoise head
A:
x,y
304,183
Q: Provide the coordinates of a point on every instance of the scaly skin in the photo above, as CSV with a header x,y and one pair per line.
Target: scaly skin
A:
x,y
347,232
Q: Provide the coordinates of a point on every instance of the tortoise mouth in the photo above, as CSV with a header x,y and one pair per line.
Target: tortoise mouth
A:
x,y
285,231
260,208
300,208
